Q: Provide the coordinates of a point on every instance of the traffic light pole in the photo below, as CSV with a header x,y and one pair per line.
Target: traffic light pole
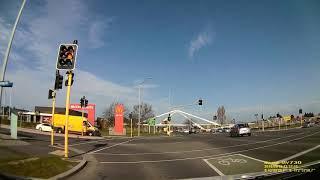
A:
x,y
82,120
131,125
66,131
52,117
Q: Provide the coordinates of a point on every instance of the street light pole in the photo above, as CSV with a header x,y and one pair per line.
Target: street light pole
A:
x,y
139,112
139,116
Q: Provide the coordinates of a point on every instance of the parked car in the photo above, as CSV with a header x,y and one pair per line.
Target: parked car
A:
x,y
220,130
44,127
192,131
307,124
240,130
226,129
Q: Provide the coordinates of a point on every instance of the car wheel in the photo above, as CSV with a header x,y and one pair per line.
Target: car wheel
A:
x,y
249,134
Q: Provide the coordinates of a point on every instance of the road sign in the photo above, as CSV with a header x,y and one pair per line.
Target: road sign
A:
x,y
6,84
67,54
152,122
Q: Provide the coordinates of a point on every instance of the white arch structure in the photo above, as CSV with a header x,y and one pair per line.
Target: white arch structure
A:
x,y
187,115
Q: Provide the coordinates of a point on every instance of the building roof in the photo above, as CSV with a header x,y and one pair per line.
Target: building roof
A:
x,y
58,110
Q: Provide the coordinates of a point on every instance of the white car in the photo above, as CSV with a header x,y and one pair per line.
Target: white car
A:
x,y
44,127
240,130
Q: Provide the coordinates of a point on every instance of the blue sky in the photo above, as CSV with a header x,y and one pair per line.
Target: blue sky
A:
x,y
249,56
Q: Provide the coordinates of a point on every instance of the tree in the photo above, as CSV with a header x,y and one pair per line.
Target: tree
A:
x,y
221,115
108,114
146,112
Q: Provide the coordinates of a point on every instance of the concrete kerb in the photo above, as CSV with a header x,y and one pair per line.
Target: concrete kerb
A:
x,y
72,171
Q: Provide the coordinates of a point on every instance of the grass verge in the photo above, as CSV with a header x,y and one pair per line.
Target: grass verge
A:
x,y
44,167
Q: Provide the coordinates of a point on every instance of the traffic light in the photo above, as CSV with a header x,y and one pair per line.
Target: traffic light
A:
x,y
66,82
130,115
214,117
85,102
58,82
169,118
51,94
300,111
81,102
200,102
67,56
261,116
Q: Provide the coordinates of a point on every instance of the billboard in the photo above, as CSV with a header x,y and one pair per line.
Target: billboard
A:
x,y
118,119
90,109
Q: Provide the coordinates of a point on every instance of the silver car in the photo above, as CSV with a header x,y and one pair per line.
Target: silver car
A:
x,y
240,130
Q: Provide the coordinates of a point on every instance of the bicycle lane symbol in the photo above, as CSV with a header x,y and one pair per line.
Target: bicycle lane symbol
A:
x,y
228,161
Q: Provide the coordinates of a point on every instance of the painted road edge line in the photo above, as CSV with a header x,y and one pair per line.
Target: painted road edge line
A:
x,y
108,147
300,153
213,167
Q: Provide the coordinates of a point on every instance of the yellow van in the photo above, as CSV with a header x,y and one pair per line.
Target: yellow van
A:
x,y
77,124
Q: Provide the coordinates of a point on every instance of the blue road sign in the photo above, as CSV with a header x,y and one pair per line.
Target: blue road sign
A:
x,y
6,84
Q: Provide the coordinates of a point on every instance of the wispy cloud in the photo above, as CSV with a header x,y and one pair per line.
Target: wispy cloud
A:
x,y
37,40
97,31
202,40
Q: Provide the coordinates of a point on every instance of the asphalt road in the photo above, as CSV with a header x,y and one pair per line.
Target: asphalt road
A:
x,y
194,156
181,156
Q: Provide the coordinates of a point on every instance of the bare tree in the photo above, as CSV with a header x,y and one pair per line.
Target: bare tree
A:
x,y
108,114
221,115
146,112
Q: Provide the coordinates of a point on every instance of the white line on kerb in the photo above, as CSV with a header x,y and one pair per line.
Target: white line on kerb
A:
x,y
196,150
213,167
108,147
203,157
300,153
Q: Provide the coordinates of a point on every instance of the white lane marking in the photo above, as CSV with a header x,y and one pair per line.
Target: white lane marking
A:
x,y
203,157
213,167
251,157
108,147
195,150
300,153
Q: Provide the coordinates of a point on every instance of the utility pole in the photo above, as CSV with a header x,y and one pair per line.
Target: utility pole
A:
x,y
139,116
130,117
139,112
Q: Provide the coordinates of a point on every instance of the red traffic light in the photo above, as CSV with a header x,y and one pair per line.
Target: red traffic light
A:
x,y
67,56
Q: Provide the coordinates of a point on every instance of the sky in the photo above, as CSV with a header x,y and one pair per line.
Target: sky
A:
x,y
249,56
